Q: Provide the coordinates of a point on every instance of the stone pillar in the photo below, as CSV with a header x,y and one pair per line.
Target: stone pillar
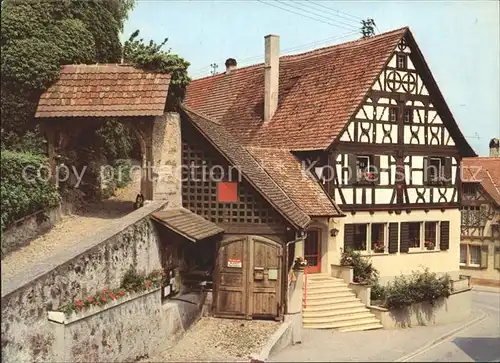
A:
x,y
50,134
166,156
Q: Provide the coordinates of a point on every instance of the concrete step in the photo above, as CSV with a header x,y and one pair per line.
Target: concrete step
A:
x,y
335,313
327,285
322,277
340,307
306,319
342,325
369,326
329,295
331,301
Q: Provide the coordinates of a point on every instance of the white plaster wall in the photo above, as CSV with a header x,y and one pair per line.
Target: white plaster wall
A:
x,y
391,265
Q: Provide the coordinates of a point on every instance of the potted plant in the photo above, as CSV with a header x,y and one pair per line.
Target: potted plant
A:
x,y
299,264
429,245
378,247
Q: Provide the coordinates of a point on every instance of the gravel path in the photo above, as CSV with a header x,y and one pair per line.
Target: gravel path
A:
x,y
219,340
72,228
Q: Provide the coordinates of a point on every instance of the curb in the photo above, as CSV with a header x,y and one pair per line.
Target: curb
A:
x,y
441,338
271,343
481,288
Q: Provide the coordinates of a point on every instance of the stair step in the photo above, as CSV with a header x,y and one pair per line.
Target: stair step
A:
x,y
329,286
331,301
337,307
335,318
362,327
344,324
333,312
330,295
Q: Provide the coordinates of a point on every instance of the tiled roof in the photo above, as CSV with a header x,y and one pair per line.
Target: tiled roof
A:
x,y
187,224
236,154
484,170
318,93
299,185
104,90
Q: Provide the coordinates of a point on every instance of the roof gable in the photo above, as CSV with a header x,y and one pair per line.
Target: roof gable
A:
x,y
104,90
318,93
486,171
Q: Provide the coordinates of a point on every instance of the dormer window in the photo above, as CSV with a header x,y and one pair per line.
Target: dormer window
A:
x,y
401,61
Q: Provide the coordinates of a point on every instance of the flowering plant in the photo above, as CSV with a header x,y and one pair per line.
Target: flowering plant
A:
x,y
378,247
132,282
429,245
300,263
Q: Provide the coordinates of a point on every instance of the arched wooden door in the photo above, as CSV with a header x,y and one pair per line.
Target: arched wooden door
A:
x,y
249,278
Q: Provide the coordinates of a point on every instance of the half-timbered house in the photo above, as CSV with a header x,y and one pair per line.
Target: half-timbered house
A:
x,y
367,120
480,227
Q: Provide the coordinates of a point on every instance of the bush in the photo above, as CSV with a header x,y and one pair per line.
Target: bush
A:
x,y
420,286
377,292
364,272
20,195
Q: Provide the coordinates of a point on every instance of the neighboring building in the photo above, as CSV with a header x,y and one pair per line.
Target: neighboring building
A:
x,y
368,118
480,232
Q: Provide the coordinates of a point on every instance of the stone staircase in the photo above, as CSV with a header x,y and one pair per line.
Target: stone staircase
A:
x,y
330,304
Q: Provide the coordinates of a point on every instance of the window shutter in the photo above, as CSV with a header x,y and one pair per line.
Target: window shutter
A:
x,y
447,170
444,240
376,163
353,170
497,257
405,237
426,165
484,256
393,237
348,236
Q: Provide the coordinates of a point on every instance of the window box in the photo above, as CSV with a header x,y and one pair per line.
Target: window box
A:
x,y
429,245
378,247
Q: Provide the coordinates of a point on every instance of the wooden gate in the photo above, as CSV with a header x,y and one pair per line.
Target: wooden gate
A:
x,y
248,278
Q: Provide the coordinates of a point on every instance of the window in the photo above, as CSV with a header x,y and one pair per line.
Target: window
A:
x,y
430,235
408,115
470,255
435,170
401,62
463,254
365,169
393,114
360,237
414,234
378,237
475,255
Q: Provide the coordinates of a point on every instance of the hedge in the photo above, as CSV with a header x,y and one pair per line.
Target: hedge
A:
x,y
21,196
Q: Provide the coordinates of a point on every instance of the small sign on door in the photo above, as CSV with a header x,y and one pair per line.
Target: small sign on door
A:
x,y
234,262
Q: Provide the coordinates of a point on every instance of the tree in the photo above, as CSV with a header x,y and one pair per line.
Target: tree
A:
x,y
39,36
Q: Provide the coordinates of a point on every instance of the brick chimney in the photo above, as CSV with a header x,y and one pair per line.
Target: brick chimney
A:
x,y
271,76
495,147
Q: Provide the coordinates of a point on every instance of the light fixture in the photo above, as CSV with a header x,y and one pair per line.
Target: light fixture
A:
x,y
334,232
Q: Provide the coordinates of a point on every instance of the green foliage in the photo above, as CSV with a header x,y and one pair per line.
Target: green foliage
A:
x,y
114,139
364,272
20,195
121,177
151,57
377,292
420,286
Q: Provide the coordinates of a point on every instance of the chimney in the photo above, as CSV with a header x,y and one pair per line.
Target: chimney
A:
x,y
495,147
230,65
271,76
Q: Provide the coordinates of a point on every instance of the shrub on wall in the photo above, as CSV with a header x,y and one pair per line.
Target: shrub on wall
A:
x,y
364,272
23,191
420,286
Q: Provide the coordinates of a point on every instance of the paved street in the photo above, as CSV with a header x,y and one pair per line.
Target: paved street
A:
x,y
479,342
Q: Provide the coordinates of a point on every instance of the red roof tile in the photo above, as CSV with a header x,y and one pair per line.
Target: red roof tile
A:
x,y
104,90
300,186
484,170
321,88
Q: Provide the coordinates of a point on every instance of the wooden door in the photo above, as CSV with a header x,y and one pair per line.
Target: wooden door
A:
x,y
231,282
248,278
312,251
265,277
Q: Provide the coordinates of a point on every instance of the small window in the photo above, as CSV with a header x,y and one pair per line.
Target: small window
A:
x,y
430,235
360,237
408,115
463,254
227,192
365,169
401,61
414,234
378,237
475,255
393,114
435,170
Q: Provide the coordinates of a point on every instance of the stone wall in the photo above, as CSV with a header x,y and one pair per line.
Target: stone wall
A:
x,y
97,262
127,330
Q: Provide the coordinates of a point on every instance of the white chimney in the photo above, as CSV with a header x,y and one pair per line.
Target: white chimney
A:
x,y
495,147
271,77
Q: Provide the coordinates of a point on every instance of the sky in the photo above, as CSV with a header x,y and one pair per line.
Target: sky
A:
x,y
459,39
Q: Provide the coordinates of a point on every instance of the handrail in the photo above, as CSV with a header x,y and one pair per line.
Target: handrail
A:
x,y
305,287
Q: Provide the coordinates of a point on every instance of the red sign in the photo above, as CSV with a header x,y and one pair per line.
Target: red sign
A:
x,y
234,262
